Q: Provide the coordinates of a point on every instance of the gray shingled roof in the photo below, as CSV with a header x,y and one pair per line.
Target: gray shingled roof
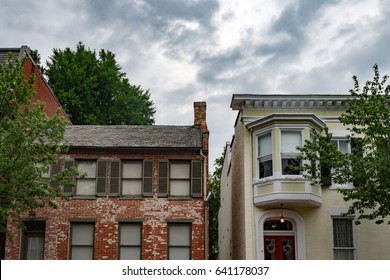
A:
x,y
134,136
5,51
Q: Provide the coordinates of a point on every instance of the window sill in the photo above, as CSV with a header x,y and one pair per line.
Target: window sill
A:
x,y
179,198
124,197
86,197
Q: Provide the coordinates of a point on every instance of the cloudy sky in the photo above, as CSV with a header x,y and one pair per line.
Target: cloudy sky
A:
x,y
194,50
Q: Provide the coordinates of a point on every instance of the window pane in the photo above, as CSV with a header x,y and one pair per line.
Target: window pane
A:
x,y
86,187
179,253
180,188
82,253
130,234
130,253
131,187
343,254
88,167
35,247
342,233
132,169
180,170
82,234
343,146
265,145
180,234
290,140
287,164
265,168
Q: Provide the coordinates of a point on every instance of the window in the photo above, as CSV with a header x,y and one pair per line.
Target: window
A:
x,y
92,179
343,242
184,178
180,178
131,178
179,241
265,155
86,185
82,239
290,140
130,240
33,240
342,145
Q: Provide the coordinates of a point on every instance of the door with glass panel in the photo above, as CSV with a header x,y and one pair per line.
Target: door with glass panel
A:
x,y
279,240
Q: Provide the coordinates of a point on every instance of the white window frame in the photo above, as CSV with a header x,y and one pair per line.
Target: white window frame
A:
x,y
290,154
337,140
266,157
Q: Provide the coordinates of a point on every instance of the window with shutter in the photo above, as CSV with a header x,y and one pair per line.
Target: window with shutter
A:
x,y
180,178
55,169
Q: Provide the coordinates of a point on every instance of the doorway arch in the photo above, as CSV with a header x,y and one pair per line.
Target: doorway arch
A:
x,y
298,231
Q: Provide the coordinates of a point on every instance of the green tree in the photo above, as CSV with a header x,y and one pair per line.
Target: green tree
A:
x,y
30,143
93,90
368,165
214,205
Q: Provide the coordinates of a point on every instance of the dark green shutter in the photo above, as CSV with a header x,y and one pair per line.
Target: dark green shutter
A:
x,y
68,188
196,178
163,177
101,177
148,178
114,176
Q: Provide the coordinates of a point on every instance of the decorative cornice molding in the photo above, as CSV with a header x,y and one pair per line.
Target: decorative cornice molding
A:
x,y
289,101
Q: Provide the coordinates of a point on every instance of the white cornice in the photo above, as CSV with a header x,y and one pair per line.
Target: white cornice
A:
x,y
289,101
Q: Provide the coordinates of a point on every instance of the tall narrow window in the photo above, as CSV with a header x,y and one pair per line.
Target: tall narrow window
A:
x,y
179,241
81,247
180,178
86,185
130,241
290,140
33,240
265,155
343,242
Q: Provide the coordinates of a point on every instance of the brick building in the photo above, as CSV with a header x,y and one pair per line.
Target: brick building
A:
x,y
142,196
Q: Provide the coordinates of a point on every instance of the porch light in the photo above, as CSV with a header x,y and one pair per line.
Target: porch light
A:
x,y
281,213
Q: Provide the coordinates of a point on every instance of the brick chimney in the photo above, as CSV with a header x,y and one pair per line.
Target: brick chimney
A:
x,y
200,121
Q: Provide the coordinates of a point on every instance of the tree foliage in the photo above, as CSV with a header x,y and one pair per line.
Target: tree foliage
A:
x,y
214,205
367,167
30,142
93,90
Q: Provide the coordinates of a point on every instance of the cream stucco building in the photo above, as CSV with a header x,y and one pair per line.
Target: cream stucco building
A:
x,y
258,186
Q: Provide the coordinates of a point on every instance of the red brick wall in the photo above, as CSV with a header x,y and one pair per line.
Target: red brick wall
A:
x,y
43,92
154,211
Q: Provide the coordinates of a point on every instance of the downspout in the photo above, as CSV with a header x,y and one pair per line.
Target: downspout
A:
x,y
206,198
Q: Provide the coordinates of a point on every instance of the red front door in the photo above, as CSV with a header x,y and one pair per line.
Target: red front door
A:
x,y
279,247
